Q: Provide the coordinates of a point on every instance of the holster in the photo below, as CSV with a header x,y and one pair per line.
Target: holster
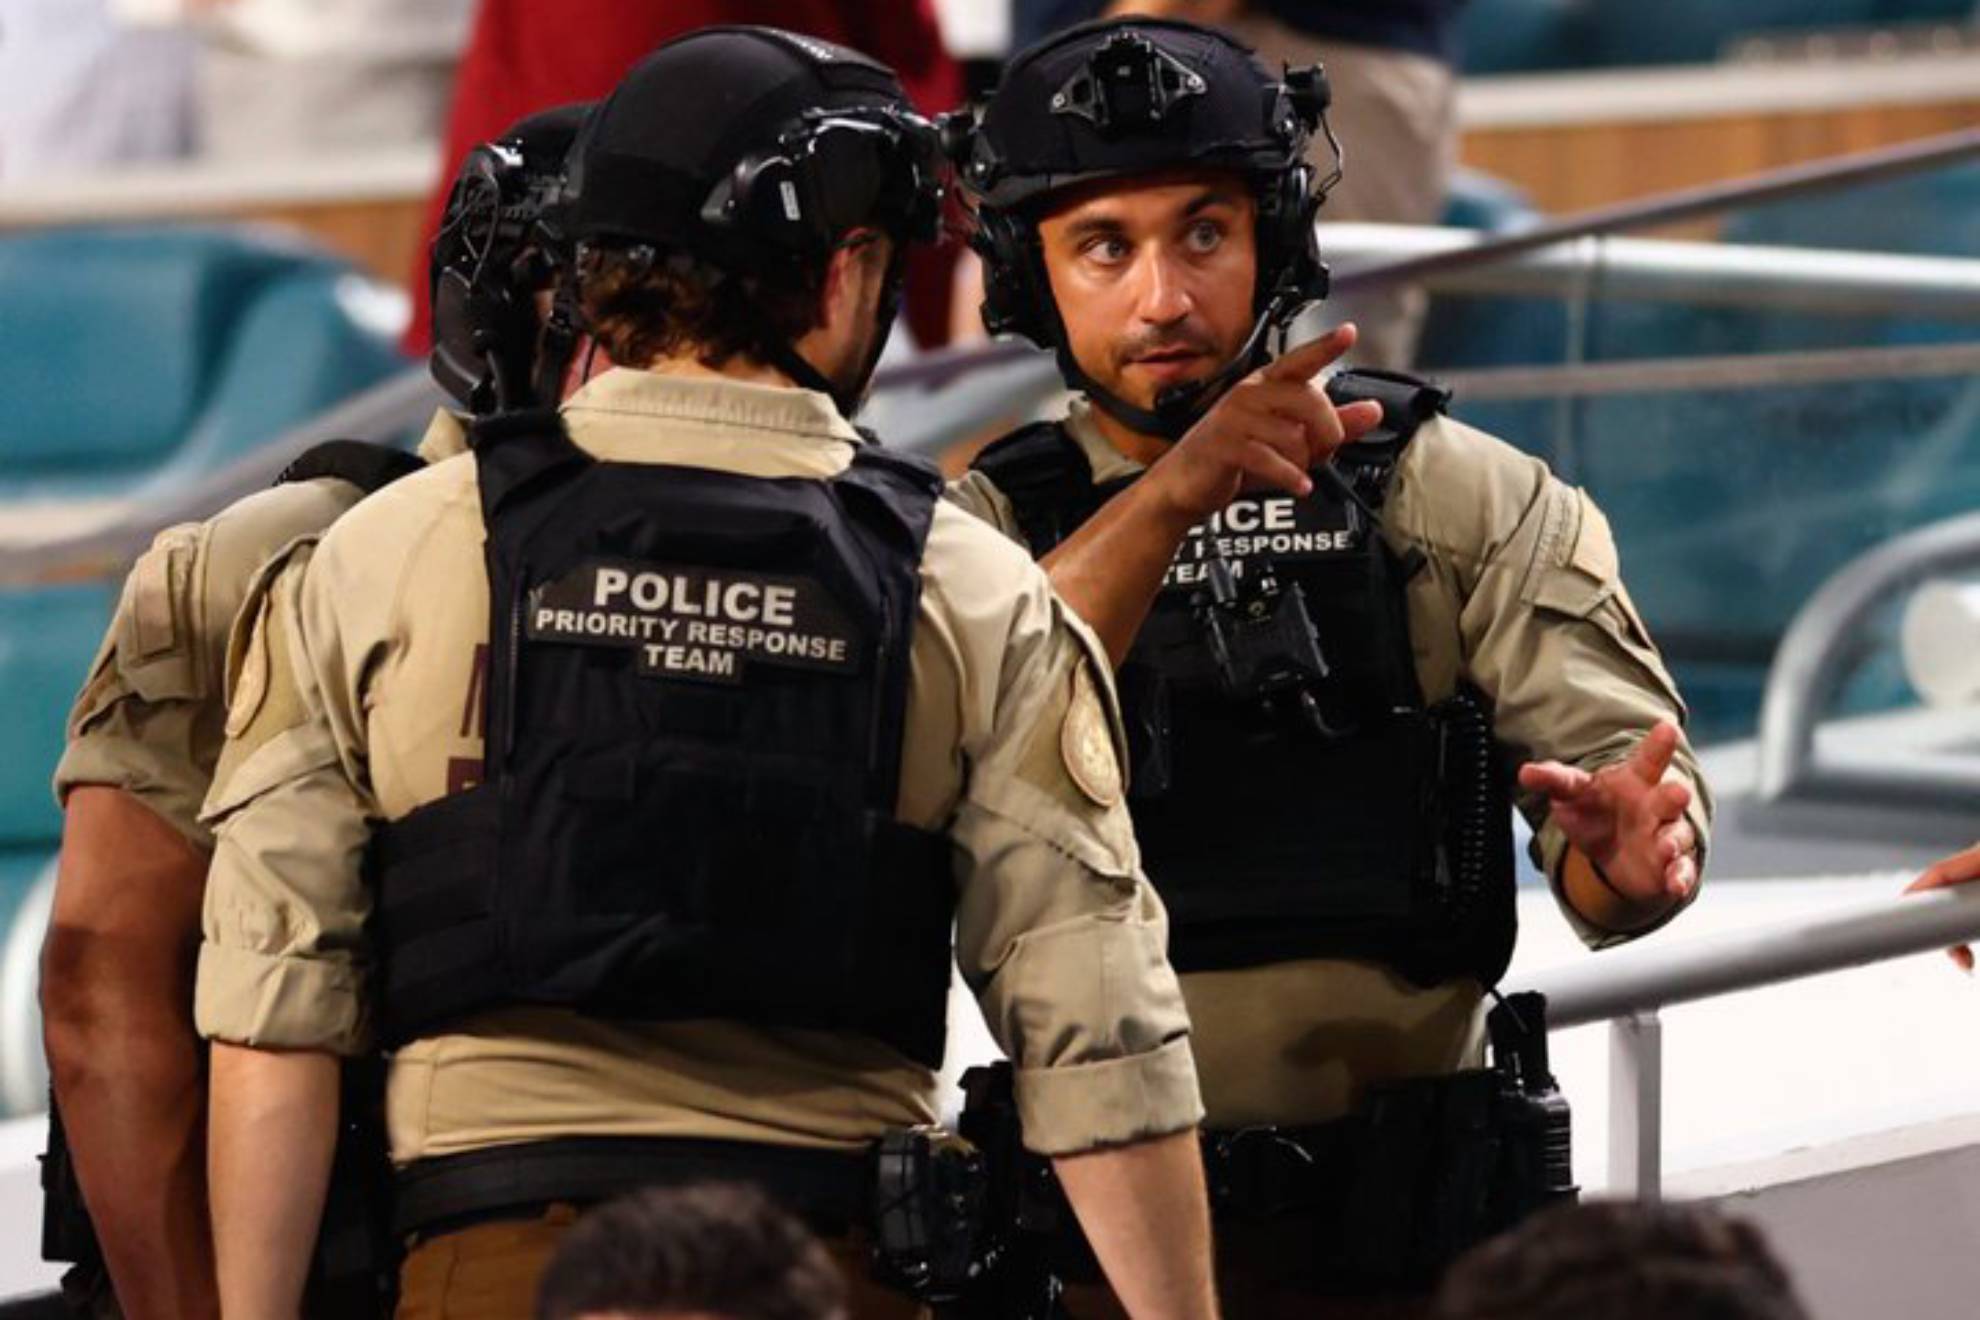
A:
x,y
1422,1171
1028,1225
355,1269
67,1235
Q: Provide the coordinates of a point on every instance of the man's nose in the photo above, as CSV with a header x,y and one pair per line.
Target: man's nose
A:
x,y
1163,296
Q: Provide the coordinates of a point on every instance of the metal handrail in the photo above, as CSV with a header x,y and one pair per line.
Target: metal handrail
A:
x,y
1812,662
1741,371
1642,978
1629,987
1831,281
1686,204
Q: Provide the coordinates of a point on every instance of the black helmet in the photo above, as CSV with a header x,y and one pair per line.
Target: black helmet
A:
x,y
749,146
492,255
1121,97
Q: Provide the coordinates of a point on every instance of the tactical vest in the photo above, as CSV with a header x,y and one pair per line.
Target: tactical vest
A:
x,y
1293,796
695,697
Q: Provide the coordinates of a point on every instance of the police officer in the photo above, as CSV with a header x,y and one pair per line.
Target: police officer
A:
x,y
1339,632
678,727
144,738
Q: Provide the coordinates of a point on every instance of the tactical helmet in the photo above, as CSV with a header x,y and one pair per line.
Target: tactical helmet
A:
x,y
492,255
750,146
1115,98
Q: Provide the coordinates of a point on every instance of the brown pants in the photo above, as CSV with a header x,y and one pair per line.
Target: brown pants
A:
x,y
490,1272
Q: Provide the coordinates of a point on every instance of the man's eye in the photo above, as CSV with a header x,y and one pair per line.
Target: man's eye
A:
x,y
1205,235
1107,251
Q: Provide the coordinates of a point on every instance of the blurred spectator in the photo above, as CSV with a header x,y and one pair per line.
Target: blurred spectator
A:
x,y
524,55
1034,20
1958,869
716,1251
82,87
280,78
1392,64
1618,1260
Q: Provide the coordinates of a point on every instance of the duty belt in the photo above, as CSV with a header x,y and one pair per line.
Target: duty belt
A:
x,y
825,1188
1260,1173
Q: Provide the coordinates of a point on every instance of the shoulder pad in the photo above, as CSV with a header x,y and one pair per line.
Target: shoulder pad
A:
x,y
1040,454
1047,478
913,468
904,486
369,467
1407,402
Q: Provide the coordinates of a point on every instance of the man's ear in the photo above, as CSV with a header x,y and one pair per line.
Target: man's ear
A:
x,y
847,269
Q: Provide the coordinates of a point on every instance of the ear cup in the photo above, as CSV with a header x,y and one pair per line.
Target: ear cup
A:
x,y
1010,293
1288,251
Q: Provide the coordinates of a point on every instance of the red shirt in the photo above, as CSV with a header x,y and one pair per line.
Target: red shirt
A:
x,y
528,55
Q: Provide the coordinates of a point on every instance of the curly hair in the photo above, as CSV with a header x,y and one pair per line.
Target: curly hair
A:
x,y
709,1248
641,305
1622,1261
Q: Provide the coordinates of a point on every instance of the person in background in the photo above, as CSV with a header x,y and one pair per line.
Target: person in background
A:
x,y
1322,648
293,80
85,87
1619,1260
522,54
709,1251
1961,868
144,741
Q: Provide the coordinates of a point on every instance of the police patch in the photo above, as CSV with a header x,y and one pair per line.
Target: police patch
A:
x,y
696,623
1266,528
1086,744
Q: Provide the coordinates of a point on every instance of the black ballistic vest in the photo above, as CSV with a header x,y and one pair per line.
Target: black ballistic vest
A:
x,y
1370,828
696,690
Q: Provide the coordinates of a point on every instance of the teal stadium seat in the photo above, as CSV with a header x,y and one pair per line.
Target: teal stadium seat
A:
x,y
1732,506
1523,36
134,363
138,359
1699,31
1534,36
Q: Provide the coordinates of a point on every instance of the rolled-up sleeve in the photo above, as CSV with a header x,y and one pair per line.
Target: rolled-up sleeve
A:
x,y
1549,632
283,963
1058,932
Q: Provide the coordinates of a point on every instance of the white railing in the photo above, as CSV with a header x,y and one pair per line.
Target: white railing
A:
x,y
1629,987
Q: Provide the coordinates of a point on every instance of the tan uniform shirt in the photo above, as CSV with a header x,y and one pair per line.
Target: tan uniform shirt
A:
x,y
1522,595
150,717
360,700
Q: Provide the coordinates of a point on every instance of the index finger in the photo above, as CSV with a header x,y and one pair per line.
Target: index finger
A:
x,y
1957,869
1653,754
1305,361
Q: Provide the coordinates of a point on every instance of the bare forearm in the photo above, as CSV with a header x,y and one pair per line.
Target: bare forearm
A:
x,y
128,1068
136,1123
1111,568
1145,1213
273,1129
